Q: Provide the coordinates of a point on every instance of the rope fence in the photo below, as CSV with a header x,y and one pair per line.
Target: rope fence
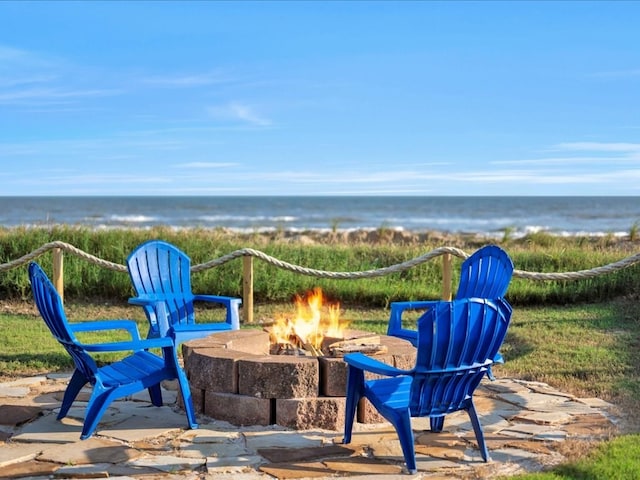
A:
x,y
247,254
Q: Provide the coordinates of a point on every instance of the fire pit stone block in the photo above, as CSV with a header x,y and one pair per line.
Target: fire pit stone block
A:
x,y
238,409
306,413
197,397
248,340
367,413
278,376
215,369
333,376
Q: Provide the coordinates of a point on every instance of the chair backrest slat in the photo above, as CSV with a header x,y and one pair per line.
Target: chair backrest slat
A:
x,y
485,274
457,342
161,270
50,307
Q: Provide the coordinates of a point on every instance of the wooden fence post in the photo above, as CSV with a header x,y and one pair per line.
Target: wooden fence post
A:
x,y
446,277
247,288
58,272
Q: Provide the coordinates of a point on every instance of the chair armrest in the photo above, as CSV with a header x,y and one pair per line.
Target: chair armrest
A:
x,y
395,328
406,334
232,305
128,325
156,311
138,301
200,327
150,300
227,301
361,361
126,346
412,305
144,300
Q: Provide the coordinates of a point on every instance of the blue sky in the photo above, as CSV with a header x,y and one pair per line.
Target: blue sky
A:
x,y
326,98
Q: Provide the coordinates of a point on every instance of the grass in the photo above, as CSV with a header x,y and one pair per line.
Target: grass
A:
x,y
618,459
590,350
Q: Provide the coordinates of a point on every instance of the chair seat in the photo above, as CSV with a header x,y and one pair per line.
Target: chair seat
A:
x,y
393,391
137,367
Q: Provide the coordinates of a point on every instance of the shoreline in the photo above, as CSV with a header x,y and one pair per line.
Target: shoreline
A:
x,y
356,236
511,232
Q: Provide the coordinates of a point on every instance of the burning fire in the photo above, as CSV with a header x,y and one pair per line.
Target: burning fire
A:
x,y
313,322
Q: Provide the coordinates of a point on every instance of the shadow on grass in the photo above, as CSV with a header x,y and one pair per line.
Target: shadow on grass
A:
x,y
617,459
17,364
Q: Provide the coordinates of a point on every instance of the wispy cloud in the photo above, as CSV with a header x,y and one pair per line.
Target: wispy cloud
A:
x,y
394,179
597,154
631,72
84,179
183,81
206,165
51,95
545,177
599,146
11,53
22,80
239,112
32,79
101,146
565,161
12,58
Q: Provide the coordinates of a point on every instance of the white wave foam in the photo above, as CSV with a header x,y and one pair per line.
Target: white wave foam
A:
x,y
246,218
132,218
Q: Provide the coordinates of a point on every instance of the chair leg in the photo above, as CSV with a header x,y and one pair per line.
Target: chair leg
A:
x,y
233,315
437,423
402,424
185,390
155,394
171,358
355,389
477,429
78,380
100,400
395,321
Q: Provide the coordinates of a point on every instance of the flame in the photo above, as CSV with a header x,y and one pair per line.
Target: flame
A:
x,y
312,323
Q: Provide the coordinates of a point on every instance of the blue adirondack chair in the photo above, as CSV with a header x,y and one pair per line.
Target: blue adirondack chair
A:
x,y
457,342
137,371
484,274
161,277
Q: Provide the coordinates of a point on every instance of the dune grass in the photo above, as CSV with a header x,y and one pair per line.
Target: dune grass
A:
x,y
333,253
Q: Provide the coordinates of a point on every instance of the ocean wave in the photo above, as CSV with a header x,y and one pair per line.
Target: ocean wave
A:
x,y
132,219
246,218
492,217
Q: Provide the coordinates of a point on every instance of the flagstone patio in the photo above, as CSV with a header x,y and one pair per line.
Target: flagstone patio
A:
x,y
525,424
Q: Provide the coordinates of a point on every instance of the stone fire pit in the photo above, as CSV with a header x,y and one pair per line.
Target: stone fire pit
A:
x,y
234,378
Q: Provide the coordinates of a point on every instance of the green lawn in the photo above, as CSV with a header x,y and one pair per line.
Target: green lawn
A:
x,y
590,350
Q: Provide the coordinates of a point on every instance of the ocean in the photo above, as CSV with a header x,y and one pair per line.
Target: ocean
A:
x,y
489,216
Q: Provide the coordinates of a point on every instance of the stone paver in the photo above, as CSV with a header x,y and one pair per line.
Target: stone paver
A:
x,y
525,424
